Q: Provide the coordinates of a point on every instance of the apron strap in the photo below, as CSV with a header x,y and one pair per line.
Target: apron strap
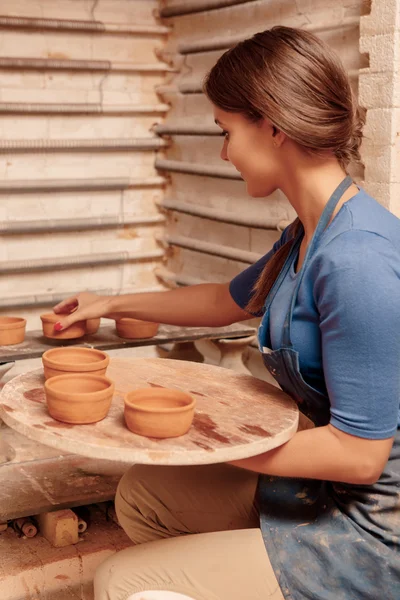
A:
x,y
322,224
282,273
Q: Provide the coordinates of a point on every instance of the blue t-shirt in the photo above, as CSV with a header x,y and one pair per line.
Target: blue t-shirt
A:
x,y
346,321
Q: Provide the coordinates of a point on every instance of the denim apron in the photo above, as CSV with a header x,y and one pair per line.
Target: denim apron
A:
x,y
325,540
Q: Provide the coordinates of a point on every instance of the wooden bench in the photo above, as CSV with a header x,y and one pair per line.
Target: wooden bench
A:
x,y
36,478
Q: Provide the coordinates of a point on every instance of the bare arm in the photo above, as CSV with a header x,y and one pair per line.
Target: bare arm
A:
x,y
205,305
324,453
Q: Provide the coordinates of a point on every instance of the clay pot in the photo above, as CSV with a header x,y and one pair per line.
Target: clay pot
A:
x,y
92,326
159,412
59,361
79,398
136,329
76,330
12,330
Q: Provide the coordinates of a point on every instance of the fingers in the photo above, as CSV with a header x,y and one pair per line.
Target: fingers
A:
x,y
91,311
66,306
68,320
79,308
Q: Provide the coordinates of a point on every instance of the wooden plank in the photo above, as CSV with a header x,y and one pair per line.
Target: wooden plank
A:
x,y
37,478
106,339
42,485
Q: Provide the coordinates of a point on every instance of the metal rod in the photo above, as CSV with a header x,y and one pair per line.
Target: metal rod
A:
x,y
80,108
209,248
176,129
196,87
198,6
177,278
71,262
206,212
33,186
165,89
191,87
68,185
49,64
177,166
222,43
92,223
81,26
98,145
52,298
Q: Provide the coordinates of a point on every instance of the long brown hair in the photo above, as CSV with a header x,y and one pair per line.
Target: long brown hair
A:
x,y
295,80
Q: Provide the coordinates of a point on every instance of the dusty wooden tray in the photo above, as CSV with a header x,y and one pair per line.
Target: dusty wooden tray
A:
x,y
237,415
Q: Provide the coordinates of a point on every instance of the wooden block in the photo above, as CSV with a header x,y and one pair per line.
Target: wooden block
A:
x,y
60,528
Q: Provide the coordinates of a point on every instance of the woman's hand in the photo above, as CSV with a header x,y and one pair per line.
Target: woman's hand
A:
x,y
75,302
85,305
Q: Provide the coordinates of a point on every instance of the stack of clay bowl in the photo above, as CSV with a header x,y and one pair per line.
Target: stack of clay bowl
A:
x,y
12,330
77,330
59,361
76,388
159,412
132,329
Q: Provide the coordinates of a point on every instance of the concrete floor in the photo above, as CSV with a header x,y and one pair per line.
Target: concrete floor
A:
x,y
31,569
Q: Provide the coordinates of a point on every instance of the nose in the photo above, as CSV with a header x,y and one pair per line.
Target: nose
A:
x,y
224,152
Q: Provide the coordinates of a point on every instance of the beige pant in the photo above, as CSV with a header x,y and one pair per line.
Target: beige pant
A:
x,y
225,559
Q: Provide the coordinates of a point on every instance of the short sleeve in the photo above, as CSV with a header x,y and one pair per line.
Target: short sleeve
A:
x,y
357,293
241,287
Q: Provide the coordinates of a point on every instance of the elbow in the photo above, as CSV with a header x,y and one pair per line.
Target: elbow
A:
x,y
363,460
367,473
371,479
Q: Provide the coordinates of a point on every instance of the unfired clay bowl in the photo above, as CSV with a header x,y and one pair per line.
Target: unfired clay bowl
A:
x,y
159,412
79,398
92,326
12,330
76,330
135,328
59,361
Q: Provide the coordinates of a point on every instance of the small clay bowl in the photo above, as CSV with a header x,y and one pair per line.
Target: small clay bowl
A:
x,y
59,361
79,398
135,328
159,412
12,330
92,326
76,330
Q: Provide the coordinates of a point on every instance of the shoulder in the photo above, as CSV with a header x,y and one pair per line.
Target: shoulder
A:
x,y
358,257
364,235
355,248
358,270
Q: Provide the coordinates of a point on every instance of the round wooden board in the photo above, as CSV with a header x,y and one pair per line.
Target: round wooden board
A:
x,y
236,416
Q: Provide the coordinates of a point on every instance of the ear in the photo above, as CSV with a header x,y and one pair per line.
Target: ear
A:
x,y
275,135
278,136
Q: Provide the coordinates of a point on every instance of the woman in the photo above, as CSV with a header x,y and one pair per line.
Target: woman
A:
x,y
319,517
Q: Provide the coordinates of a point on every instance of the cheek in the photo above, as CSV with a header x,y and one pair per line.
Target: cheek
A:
x,y
243,151
236,153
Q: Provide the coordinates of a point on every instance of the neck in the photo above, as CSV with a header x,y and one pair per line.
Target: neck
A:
x,y
309,188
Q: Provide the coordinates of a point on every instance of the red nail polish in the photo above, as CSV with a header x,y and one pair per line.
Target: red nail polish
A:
x,y
58,327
